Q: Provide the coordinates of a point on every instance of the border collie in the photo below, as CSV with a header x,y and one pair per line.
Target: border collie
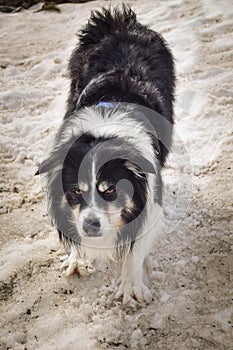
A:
x,y
103,172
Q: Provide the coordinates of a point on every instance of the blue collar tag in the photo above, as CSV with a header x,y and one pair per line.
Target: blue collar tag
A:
x,y
106,104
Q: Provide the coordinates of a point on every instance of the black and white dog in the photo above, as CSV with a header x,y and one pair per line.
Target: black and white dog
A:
x,y
103,173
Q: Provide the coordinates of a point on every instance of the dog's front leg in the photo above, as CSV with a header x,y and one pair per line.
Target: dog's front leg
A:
x,y
74,264
132,285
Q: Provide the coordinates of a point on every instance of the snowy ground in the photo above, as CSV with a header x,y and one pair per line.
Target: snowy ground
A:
x,y
192,268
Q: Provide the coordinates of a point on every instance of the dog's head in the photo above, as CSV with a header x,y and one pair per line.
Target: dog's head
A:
x,y
104,182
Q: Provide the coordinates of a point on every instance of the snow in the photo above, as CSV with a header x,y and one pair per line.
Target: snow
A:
x,y
224,317
191,268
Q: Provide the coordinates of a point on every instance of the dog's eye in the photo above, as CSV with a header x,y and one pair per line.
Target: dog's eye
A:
x,y
110,190
110,194
78,192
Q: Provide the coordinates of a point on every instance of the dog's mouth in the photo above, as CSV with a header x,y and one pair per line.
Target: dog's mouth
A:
x,y
93,234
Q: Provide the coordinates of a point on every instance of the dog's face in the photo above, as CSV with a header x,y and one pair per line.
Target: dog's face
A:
x,y
104,190
104,183
99,199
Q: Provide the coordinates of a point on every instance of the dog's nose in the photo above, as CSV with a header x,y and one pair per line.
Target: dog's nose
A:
x,y
91,227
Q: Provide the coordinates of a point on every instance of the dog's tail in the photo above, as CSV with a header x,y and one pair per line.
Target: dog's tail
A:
x,y
106,22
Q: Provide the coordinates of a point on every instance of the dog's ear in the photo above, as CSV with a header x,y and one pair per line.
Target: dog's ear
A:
x,y
54,160
45,166
130,156
140,165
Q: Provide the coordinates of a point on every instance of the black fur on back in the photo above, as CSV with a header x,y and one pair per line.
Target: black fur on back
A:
x,y
119,60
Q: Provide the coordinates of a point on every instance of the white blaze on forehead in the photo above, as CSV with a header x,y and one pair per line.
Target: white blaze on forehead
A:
x,y
103,186
83,186
93,181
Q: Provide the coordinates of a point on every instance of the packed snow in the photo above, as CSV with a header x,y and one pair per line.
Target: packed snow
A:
x,y
191,268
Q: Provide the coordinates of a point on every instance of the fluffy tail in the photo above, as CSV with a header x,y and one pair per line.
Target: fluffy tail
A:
x,y
107,22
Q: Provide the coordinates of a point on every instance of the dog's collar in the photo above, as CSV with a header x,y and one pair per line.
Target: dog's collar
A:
x,y
106,104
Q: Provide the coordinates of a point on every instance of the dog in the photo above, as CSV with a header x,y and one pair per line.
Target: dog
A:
x,y
103,172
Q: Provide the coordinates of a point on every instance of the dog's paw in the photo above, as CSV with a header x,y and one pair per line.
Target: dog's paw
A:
x,y
129,292
73,265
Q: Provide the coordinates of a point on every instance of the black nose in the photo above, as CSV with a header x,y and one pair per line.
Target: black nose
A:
x,y
91,227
